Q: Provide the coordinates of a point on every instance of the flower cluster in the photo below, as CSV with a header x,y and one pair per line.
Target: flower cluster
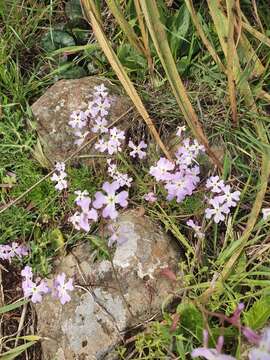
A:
x,y
222,202
35,290
83,219
94,120
7,252
59,176
122,179
183,181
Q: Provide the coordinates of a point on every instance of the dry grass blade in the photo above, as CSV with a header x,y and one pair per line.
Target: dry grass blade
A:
x,y
125,26
158,35
257,34
230,55
121,74
145,38
202,35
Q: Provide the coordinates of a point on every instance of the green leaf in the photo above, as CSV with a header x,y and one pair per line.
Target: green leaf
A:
x,y
12,306
13,353
73,10
191,320
257,316
57,39
56,239
178,29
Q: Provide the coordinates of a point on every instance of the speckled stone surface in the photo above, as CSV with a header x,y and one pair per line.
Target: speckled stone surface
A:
x,y
102,308
52,113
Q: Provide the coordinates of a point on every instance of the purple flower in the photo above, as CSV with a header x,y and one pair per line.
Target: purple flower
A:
x,y
27,272
217,211
80,196
60,166
137,149
229,198
112,168
80,137
78,119
35,291
262,352
101,145
86,214
100,125
197,229
75,220
60,179
5,252
100,106
101,90
179,186
122,179
18,250
161,170
120,233
116,136
111,199
150,197
215,183
210,354
61,288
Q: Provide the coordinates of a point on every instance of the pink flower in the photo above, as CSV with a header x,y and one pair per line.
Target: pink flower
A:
x,y
86,214
179,186
35,291
229,198
100,125
78,119
62,288
217,211
161,170
137,149
111,199
215,184
101,90
150,197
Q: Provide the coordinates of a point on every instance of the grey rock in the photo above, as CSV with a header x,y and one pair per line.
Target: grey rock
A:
x,y
52,113
103,306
